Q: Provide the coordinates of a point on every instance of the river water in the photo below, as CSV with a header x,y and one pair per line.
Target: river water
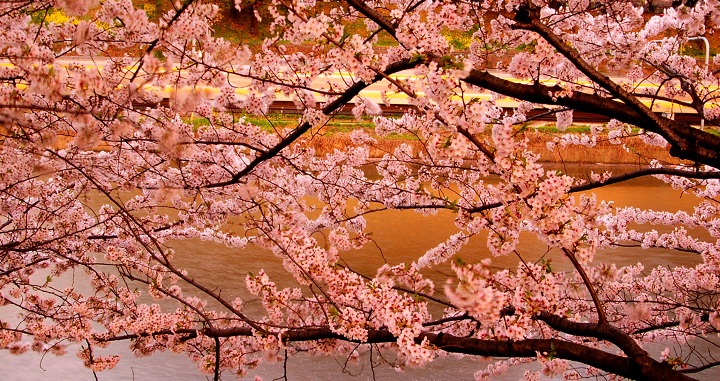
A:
x,y
403,235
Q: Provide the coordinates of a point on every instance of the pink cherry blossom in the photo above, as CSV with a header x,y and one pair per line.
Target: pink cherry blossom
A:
x,y
113,164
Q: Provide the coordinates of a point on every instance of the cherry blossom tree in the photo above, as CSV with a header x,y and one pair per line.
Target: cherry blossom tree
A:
x,y
106,166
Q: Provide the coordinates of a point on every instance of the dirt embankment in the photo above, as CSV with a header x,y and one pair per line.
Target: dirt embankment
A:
x,y
632,150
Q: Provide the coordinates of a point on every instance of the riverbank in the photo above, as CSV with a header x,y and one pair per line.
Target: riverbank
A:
x,y
632,150
549,145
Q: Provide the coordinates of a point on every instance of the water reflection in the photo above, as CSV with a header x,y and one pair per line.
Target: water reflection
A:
x,y
403,236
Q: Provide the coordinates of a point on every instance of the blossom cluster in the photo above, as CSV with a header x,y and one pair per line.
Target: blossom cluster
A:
x,y
114,169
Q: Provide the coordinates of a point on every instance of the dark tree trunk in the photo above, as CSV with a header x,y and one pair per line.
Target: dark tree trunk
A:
x,y
254,23
246,14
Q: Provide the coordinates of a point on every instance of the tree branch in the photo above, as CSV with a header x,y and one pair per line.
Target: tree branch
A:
x,y
373,15
329,109
640,369
687,142
691,174
602,318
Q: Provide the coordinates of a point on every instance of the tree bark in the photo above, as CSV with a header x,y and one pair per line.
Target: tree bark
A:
x,y
641,367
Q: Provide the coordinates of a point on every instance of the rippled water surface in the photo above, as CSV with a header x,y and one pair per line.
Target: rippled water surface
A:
x,y
403,236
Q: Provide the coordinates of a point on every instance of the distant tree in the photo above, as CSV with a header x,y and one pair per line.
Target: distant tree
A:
x,y
100,177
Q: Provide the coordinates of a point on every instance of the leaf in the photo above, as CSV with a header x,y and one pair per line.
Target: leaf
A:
x,y
416,58
157,53
546,265
447,142
448,62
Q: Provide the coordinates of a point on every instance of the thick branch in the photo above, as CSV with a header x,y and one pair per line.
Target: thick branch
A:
x,y
373,15
329,109
602,331
543,94
537,26
687,142
644,369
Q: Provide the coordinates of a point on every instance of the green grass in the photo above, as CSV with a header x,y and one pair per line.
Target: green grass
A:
x,y
338,125
712,130
358,27
552,129
345,124
572,129
698,51
460,40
